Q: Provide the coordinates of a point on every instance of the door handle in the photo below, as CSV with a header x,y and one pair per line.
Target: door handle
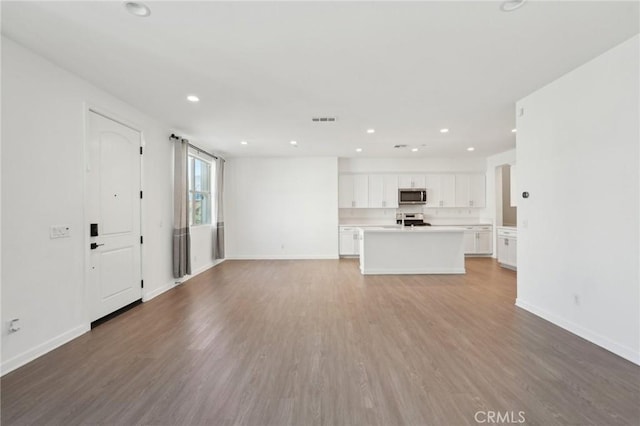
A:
x,y
95,246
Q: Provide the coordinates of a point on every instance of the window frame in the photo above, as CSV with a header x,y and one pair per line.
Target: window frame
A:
x,y
193,156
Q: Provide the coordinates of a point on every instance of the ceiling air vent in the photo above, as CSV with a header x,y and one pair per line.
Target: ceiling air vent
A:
x,y
323,119
400,146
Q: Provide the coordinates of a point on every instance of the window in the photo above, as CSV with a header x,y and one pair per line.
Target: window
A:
x,y
199,191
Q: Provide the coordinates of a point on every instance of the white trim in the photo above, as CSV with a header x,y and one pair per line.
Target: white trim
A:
x,y
282,257
33,353
413,271
625,352
42,349
157,292
205,268
105,113
507,266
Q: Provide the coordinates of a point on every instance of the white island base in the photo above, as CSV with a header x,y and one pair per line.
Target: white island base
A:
x,y
419,250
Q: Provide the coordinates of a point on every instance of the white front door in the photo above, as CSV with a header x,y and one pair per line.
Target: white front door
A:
x,y
113,207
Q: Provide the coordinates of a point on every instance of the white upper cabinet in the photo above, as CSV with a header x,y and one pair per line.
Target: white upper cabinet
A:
x,y
411,181
470,190
345,191
441,190
353,191
361,190
383,191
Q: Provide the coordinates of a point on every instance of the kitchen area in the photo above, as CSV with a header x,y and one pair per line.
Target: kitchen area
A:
x,y
420,223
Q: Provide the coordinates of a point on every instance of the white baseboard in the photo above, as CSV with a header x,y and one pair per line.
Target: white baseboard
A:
x,y
38,351
596,338
157,292
49,345
413,271
283,257
205,267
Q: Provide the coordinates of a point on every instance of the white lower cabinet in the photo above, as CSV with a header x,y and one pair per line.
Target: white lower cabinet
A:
x,y
478,239
349,241
507,247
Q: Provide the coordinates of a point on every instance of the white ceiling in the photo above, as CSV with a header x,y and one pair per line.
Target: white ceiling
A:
x,y
263,69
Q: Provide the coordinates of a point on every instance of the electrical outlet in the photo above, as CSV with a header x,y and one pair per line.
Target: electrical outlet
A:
x,y
59,231
14,325
576,299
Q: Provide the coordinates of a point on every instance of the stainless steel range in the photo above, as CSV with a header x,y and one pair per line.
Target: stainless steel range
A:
x,y
411,219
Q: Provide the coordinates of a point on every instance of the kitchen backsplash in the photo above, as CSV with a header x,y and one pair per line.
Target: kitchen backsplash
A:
x,y
432,215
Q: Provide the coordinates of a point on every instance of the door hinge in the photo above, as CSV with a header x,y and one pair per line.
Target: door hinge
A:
x,y
142,283
140,150
141,195
141,239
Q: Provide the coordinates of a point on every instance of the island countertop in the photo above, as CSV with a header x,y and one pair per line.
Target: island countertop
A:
x,y
426,229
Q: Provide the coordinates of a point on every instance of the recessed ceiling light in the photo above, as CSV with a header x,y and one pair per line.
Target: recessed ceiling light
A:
x,y
511,5
414,149
471,148
193,98
293,143
243,142
444,130
358,149
514,130
371,130
137,9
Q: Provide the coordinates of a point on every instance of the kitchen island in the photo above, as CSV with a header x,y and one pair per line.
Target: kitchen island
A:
x,y
411,250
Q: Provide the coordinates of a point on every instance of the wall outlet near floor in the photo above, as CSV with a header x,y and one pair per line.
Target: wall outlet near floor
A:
x,y
14,325
59,231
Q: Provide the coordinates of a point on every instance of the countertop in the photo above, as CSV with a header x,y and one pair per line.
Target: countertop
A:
x,y
409,229
438,223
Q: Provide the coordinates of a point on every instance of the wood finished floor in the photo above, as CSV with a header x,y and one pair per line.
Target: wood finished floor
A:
x,y
315,343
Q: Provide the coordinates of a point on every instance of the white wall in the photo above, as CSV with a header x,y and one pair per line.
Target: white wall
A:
x,y
201,250
578,157
42,185
410,165
281,208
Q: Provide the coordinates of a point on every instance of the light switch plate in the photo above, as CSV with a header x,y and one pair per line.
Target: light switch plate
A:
x,y
60,231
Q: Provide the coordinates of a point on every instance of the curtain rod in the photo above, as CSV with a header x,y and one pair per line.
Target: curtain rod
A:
x,y
200,150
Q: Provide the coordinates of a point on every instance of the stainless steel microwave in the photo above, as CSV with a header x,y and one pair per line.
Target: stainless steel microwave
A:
x,y
412,196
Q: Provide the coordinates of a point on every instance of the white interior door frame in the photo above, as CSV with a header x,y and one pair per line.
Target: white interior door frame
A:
x,y
89,108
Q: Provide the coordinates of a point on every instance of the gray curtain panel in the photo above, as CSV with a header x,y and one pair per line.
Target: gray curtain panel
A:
x,y
218,229
181,237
